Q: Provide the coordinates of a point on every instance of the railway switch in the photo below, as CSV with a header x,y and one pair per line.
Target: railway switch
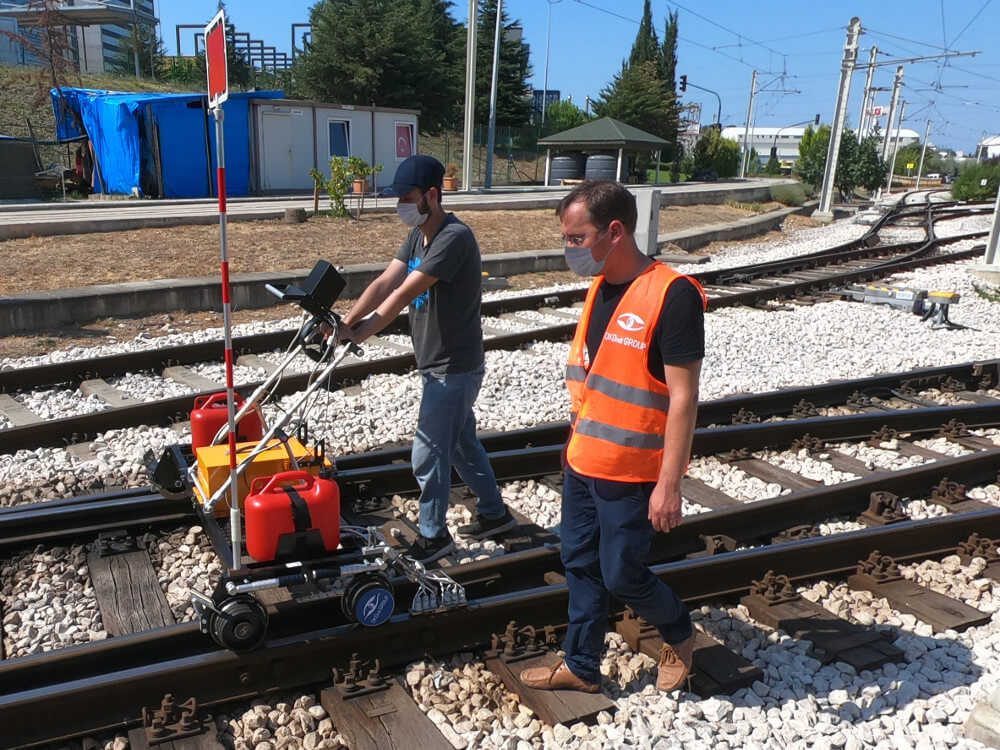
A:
x,y
929,305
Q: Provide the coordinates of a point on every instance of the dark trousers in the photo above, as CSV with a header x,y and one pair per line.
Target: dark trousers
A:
x,y
606,534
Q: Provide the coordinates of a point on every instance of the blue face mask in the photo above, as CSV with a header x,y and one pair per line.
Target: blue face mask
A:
x,y
581,261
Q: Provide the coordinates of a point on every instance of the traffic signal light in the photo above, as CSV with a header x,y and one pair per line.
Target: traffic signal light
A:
x,y
684,83
817,119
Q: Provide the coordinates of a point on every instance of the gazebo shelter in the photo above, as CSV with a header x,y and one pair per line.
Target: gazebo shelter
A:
x,y
603,134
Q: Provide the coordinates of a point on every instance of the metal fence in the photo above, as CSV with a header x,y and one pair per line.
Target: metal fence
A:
x,y
517,158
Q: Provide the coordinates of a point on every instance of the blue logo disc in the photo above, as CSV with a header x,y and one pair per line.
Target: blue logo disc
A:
x,y
374,607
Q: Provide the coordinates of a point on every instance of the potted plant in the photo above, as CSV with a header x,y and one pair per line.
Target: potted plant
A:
x,y
450,180
360,172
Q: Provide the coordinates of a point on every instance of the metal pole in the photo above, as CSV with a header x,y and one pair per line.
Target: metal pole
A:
x,y
920,167
863,119
135,42
548,34
491,135
833,150
746,131
895,147
234,496
979,146
470,97
893,105
991,258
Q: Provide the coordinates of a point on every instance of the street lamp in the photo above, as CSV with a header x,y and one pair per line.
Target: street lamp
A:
x,y
548,34
774,143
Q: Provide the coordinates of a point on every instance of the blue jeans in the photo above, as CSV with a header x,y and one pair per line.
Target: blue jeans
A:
x,y
606,534
446,437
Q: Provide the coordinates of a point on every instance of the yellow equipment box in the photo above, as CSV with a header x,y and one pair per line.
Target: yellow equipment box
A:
x,y
213,466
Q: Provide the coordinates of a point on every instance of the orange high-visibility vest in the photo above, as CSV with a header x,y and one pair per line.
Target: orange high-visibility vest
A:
x,y
618,409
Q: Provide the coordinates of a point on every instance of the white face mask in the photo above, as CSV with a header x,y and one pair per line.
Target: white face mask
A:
x,y
409,213
582,263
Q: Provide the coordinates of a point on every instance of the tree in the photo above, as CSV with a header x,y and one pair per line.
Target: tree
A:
x,y
637,96
513,92
812,154
668,72
773,167
646,47
713,153
869,168
563,115
152,54
969,187
858,164
388,53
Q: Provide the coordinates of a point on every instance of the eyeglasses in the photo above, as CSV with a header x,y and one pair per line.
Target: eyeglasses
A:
x,y
579,239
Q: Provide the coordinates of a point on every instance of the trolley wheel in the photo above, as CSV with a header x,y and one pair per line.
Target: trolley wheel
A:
x,y
240,623
368,600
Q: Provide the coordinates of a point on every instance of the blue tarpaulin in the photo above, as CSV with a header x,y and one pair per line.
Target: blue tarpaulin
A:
x,y
121,129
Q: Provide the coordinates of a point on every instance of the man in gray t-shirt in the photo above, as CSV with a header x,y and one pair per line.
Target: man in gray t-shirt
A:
x,y
444,319
437,272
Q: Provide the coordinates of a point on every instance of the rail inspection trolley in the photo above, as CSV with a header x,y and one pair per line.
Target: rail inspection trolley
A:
x,y
287,530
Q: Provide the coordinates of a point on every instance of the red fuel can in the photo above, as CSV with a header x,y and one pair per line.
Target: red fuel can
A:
x,y
292,514
210,415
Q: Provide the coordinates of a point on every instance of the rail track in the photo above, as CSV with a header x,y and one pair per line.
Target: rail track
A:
x,y
714,556
801,277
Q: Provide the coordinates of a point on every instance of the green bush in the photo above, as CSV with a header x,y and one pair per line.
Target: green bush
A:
x,y
336,186
717,154
969,187
791,195
773,168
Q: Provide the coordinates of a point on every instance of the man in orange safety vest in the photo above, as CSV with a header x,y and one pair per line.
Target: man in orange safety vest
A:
x,y
632,376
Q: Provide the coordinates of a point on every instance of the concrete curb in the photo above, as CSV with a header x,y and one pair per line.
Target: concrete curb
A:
x,y
38,311
88,219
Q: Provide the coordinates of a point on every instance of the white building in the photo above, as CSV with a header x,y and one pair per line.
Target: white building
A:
x,y
786,140
989,148
291,137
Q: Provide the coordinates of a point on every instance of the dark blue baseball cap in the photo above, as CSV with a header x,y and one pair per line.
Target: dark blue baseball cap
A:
x,y
420,171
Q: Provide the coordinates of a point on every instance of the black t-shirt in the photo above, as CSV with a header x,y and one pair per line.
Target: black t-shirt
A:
x,y
679,337
445,324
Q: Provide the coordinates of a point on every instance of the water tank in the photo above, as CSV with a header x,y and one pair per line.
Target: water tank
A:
x,y
566,167
603,166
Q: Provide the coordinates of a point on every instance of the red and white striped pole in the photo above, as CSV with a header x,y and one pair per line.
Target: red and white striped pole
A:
x,y
227,322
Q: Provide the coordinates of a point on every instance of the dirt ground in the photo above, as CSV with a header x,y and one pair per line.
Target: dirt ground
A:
x,y
43,263
99,332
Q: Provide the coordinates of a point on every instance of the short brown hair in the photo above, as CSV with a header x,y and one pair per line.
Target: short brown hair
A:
x,y
606,200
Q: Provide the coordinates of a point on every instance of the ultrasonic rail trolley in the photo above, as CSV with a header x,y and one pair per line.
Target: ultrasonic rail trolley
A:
x,y
288,531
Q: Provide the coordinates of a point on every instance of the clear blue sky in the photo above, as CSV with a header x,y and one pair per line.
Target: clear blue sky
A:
x,y
722,41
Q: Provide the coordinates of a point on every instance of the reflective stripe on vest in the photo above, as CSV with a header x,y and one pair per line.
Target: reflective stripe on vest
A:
x,y
619,408
619,435
628,393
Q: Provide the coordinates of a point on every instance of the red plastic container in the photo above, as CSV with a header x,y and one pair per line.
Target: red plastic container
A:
x,y
210,415
273,509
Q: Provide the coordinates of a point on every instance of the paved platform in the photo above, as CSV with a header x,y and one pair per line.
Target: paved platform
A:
x,y
36,311
82,217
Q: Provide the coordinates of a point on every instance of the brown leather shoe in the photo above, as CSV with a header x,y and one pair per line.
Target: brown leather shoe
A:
x,y
556,677
675,664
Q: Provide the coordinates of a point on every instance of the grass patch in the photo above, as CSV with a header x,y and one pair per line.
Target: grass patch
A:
x,y
757,208
791,194
988,292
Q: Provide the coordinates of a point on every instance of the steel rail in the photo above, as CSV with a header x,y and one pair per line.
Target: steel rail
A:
x,y
379,481
103,686
519,455
86,426
75,371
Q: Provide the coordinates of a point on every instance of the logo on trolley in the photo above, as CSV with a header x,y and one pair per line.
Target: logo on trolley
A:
x,y
374,607
631,322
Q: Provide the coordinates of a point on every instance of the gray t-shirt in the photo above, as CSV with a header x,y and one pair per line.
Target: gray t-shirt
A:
x,y
444,320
